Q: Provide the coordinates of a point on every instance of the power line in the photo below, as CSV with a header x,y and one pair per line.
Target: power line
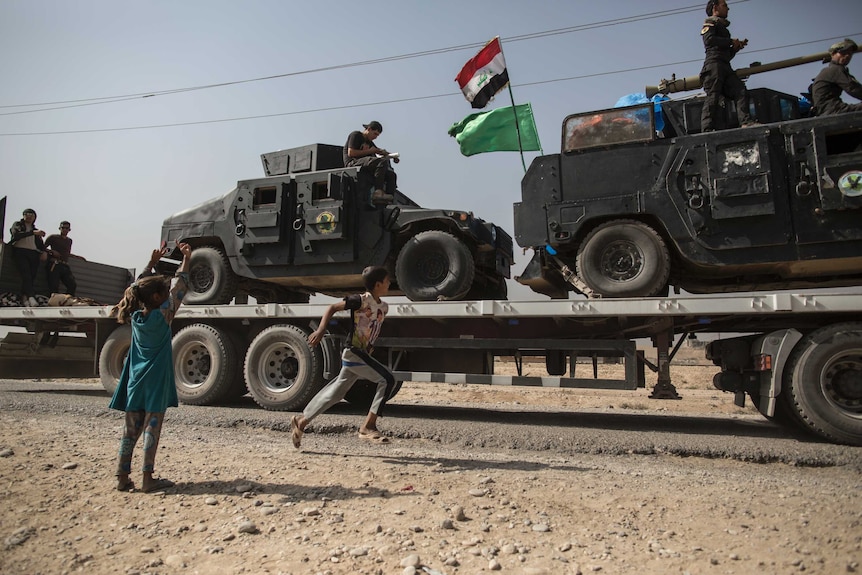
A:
x,y
400,100
67,104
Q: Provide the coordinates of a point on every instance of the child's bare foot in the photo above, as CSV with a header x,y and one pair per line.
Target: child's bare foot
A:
x,y
124,483
372,434
297,426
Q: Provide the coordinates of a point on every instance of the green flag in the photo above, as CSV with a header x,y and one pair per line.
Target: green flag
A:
x,y
495,131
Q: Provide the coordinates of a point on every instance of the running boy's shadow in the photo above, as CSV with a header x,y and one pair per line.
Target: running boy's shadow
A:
x,y
294,492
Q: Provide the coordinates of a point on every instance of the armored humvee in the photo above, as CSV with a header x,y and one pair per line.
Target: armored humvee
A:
x,y
626,210
308,227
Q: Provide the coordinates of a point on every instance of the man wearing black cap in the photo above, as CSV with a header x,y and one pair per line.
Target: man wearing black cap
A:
x,y
717,75
834,79
361,151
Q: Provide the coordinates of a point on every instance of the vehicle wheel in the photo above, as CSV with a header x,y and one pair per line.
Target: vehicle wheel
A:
x,y
205,364
113,356
211,277
362,393
282,371
826,382
624,258
434,265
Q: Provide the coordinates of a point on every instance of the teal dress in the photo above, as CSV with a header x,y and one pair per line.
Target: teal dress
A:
x,y
147,382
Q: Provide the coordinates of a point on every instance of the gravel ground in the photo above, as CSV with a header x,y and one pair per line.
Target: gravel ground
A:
x,y
475,480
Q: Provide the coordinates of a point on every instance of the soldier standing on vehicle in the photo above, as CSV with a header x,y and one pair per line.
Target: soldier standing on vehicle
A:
x,y
59,248
717,75
361,151
834,79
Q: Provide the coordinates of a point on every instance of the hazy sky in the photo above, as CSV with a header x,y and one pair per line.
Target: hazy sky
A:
x,y
116,184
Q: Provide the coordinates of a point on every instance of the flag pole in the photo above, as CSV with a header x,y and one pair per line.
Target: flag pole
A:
x,y
517,128
515,112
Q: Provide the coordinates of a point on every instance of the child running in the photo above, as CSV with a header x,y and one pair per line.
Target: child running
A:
x,y
356,361
146,387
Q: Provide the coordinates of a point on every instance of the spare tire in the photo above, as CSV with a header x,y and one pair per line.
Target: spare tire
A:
x,y
434,265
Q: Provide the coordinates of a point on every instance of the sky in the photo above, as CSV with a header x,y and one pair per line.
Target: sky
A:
x,y
117,169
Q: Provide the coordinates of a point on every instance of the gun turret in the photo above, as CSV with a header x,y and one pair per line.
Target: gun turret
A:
x,y
693,82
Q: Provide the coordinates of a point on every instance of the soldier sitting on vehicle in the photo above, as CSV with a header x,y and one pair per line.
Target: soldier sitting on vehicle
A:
x,y
834,79
360,151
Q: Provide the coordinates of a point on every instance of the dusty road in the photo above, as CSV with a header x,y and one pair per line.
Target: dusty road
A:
x,y
475,480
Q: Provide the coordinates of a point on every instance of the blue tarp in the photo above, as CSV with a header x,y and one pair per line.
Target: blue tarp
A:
x,y
640,98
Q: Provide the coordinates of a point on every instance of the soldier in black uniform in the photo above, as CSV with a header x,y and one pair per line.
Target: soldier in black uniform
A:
x,y
717,75
834,79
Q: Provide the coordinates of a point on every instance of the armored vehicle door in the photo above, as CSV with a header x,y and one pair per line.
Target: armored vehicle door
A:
x,y
325,220
295,220
261,214
825,157
737,197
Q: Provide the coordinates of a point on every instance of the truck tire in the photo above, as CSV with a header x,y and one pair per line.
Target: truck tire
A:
x,y
826,382
205,364
434,265
362,393
282,372
211,278
113,356
624,258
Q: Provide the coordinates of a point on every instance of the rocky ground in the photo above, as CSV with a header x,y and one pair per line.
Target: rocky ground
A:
x,y
247,502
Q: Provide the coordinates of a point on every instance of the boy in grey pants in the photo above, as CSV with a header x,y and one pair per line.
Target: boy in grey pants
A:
x,y
356,361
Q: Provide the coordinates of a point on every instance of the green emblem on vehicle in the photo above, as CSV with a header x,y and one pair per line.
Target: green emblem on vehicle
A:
x,y
850,184
325,222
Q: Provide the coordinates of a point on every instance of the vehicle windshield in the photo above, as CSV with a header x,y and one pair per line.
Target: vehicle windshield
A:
x,y
608,127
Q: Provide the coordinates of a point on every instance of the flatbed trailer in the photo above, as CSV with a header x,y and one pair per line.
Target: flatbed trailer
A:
x,y
800,360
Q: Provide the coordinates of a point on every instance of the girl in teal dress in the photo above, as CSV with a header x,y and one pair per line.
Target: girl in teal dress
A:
x,y
146,387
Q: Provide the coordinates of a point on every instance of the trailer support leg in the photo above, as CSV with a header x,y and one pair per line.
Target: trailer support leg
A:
x,y
663,389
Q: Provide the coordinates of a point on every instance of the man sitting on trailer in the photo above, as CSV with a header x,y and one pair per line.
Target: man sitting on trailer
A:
x,y
834,79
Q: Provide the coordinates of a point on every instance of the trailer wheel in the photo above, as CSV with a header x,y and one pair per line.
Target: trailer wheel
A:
x,y
362,393
205,364
282,371
211,278
624,258
113,356
434,265
826,382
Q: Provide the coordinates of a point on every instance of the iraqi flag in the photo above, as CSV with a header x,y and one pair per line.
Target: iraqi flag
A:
x,y
484,75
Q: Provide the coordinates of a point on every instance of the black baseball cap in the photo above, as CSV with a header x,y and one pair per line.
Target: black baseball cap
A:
x,y
373,125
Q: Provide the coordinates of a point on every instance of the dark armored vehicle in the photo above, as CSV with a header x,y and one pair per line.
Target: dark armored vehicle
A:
x,y
626,210
308,227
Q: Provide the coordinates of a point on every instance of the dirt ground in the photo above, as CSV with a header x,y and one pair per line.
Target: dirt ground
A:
x,y
247,502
